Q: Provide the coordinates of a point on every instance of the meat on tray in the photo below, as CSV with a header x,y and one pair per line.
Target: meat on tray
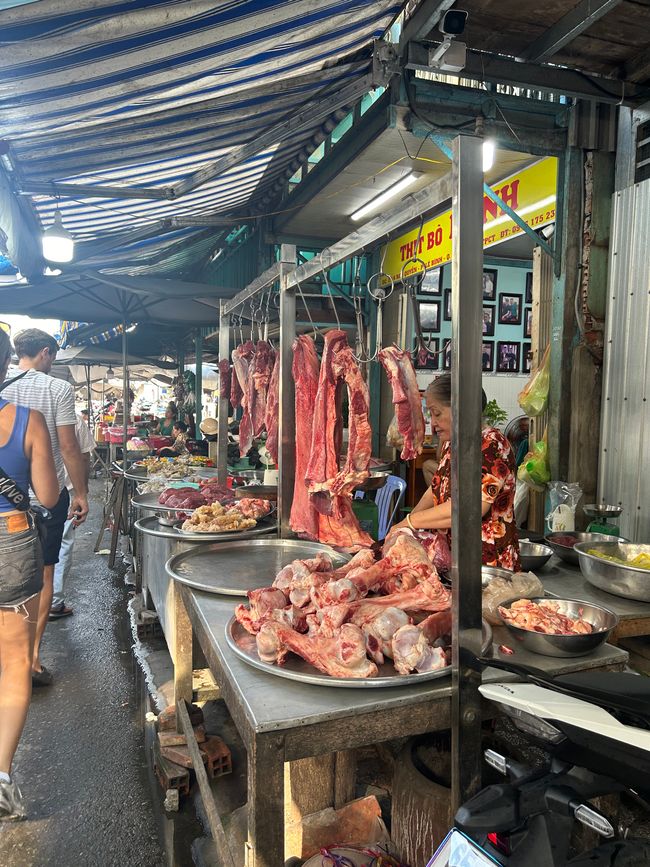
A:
x,y
182,498
217,519
543,617
251,507
344,622
406,399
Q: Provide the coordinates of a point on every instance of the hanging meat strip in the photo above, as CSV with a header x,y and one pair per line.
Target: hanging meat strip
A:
x,y
272,411
225,385
259,378
406,398
242,358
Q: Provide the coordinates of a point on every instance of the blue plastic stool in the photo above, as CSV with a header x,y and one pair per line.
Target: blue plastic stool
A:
x,y
384,499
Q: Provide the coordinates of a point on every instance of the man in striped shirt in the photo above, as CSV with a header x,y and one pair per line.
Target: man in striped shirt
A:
x,y
54,398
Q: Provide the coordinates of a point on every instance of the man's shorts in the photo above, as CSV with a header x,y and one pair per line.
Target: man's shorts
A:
x,y
53,527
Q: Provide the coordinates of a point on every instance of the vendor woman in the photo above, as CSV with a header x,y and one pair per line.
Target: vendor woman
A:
x,y
430,520
167,423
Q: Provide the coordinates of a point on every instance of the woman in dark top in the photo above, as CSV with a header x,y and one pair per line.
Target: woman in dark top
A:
x,y
26,458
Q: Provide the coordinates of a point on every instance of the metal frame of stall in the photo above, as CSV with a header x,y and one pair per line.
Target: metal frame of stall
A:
x,y
464,184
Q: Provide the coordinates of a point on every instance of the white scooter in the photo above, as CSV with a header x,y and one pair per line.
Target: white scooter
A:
x,y
595,726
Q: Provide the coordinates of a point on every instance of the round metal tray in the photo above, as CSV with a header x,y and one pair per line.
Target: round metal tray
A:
x,y
173,531
234,568
243,644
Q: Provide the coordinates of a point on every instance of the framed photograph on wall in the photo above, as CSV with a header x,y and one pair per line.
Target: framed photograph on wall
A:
x,y
429,315
487,362
529,287
488,321
526,358
432,282
446,356
508,355
448,305
528,322
489,284
425,361
510,309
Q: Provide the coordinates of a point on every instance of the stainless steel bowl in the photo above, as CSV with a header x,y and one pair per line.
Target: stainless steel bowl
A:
x,y
569,555
602,619
488,573
533,555
615,577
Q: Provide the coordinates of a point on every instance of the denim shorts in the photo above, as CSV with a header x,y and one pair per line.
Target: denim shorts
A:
x,y
21,564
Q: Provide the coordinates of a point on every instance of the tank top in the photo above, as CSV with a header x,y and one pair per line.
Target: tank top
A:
x,y
12,455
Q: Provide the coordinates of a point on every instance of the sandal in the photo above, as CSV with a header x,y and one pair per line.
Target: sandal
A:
x,y
42,677
61,610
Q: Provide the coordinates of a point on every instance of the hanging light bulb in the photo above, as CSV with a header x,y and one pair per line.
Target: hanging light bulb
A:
x,y
110,373
488,154
58,243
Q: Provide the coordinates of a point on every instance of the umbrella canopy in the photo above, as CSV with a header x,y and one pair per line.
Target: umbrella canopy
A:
x,y
99,356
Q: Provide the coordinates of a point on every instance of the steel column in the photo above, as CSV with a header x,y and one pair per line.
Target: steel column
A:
x,y
198,382
287,421
222,441
466,312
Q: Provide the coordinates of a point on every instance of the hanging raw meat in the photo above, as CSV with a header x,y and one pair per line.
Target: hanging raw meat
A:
x,y
225,385
272,411
406,398
329,485
259,378
242,358
341,532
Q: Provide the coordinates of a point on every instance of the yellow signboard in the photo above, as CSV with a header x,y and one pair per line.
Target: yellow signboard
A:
x,y
530,192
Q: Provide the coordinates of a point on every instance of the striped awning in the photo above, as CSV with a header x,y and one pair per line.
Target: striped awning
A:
x,y
141,95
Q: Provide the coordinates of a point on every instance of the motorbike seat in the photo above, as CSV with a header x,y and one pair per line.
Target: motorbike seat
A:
x,y
610,689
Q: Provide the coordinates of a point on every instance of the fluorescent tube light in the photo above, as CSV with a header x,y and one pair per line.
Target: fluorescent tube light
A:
x,y
386,196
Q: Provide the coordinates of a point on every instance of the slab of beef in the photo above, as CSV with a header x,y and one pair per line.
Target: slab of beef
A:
x,y
259,379
182,498
224,379
242,358
406,399
344,532
328,484
272,411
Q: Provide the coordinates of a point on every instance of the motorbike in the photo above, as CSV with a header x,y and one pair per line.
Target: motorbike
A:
x,y
595,729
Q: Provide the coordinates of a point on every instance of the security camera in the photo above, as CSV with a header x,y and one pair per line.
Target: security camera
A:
x,y
453,22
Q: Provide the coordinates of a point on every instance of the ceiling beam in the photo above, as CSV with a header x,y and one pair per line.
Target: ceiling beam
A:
x,y
638,69
568,28
312,111
56,189
485,66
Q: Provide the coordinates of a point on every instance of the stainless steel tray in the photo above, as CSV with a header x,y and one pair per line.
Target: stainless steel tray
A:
x,y
234,568
152,527
243,644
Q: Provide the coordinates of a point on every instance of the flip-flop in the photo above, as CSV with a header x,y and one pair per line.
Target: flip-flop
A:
x,y
60,611
42,677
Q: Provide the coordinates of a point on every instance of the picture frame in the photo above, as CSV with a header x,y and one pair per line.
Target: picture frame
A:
x,y
446,356
432,282
508,356
488,321
447,311
490,284
487,357
528,322
526,358
529,287
424,361
429,315
510,308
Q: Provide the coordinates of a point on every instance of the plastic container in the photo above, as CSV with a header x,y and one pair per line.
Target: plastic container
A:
x,y
116,434
368,516
158,442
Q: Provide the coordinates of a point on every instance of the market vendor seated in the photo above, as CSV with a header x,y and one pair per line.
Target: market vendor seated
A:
x,y
179,446
167,423
430,520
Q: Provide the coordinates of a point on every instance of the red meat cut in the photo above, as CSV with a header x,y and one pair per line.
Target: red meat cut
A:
x,y
242,358
224,379
272,411
406,399
259,378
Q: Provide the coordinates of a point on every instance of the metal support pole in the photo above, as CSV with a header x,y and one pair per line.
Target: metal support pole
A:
x,y
125,397
222,441
287,421
466,311
198,382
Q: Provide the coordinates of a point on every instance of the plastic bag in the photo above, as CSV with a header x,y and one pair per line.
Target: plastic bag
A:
x,y
534,397
534,469
522,585
564,497
394,439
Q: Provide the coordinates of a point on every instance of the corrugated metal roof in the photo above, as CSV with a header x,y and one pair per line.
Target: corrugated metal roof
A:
x,y
144,93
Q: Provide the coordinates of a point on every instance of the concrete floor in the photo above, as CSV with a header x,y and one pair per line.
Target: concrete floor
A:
x,y
81,763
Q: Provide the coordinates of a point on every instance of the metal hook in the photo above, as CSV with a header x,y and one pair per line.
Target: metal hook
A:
x,y
329,290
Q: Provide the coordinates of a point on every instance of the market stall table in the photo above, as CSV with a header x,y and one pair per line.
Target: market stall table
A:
x,y
563,580
281,721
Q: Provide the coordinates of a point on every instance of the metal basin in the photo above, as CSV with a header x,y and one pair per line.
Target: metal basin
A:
x,y
569,554
615,578
533,555
602,619
488,573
